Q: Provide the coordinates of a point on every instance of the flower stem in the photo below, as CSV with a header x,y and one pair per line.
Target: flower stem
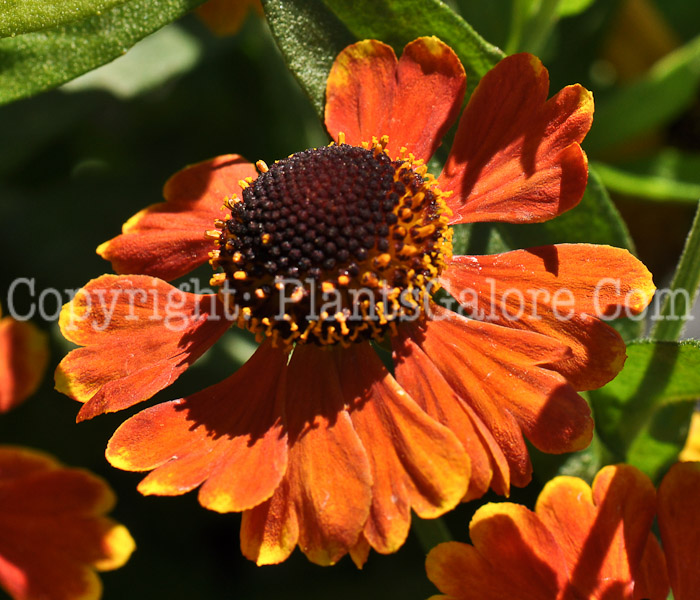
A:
x,y
430,532
684,289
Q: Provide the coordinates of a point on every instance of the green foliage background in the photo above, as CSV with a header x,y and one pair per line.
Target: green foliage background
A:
x,y
77,161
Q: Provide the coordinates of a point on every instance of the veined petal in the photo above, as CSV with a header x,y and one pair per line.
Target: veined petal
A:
x,y
602,531
328,480
415,462
513,556
229,437
167,240
679,523
53,532
504,376
651,578
516,156
139,334
24,355
413,100
561,291
419,376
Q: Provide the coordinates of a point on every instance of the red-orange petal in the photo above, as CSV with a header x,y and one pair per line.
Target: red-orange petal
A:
x,y
167,240
516,156
226,17
328,480
53,532
415,462
579,543
502,375
651,578
561,291
230,437
679,523
513,556
139,334
413,100
24,355
419,376
602,531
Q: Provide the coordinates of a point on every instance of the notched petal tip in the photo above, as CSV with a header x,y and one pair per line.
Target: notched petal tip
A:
x,y
516,156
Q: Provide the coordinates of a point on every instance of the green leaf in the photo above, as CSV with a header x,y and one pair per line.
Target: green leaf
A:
x,y
569,8
159,58
22,16
684,288
660,441
310,37
649,186
665,92
35,62
398,22
638,408
487,18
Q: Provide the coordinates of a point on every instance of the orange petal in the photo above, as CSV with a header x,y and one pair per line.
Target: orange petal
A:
x,y
561,291
226,17
513,556
139,333
24,354
419,376
679,523
413,100
501,374
415,462
167,240
516,156
230,437
603,532
53,532
328,480
270,531
651,579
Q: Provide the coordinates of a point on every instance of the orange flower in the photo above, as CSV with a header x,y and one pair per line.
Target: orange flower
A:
x,y
226,17
581,543
329,251
53,532
24,355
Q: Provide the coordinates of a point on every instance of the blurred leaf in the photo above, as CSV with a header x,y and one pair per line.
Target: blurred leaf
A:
x,y
35,62
680,298
488,18
398,22
661,95
22,16
569,8
648,186
539,19
157,59
310,37
636,403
